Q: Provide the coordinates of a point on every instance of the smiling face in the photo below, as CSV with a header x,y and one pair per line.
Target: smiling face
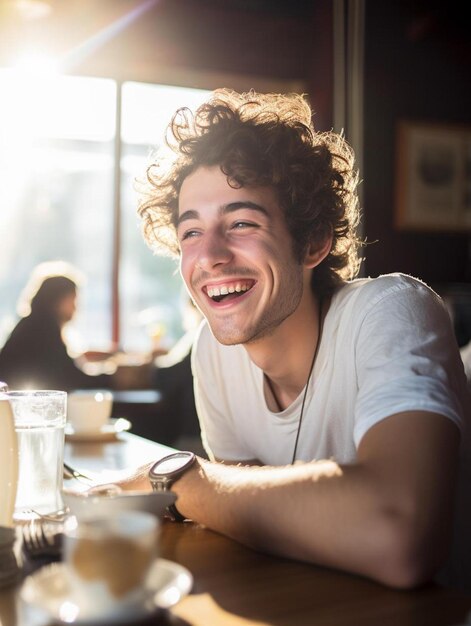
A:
x,y
237,257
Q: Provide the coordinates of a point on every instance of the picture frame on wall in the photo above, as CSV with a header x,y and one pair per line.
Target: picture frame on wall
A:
x,y
433,177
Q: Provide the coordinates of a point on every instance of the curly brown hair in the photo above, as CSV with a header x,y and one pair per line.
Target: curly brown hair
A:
x,y
263,140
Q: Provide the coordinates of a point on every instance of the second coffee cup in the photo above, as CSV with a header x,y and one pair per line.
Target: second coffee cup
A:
x,y
89,411
108,559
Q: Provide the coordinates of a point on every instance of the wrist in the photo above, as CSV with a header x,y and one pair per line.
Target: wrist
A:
x,y
188,489
166,472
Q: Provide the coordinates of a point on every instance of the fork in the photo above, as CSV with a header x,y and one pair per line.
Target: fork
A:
x,y
70,472
39,542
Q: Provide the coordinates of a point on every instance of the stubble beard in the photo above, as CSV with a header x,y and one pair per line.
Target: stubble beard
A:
x,y
287,303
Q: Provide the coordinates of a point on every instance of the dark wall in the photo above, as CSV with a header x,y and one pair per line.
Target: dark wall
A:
x,y
135,40
417,67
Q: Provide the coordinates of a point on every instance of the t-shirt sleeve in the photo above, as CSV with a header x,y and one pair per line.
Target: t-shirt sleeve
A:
x,y
406,358
218,432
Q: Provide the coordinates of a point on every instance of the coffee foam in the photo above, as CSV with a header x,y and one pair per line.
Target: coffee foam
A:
x,y
103,561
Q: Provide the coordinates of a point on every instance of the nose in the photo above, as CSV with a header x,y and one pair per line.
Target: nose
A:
x,y
213,251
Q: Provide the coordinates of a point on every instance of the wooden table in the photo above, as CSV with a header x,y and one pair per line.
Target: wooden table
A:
x,y
235,586
128,451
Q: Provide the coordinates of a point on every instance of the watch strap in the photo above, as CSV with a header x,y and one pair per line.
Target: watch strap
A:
x,y
175,514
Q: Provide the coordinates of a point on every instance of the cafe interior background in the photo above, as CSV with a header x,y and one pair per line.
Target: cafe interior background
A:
x,y
87,87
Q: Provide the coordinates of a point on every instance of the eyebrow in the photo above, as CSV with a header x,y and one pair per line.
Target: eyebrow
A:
x,y
191,214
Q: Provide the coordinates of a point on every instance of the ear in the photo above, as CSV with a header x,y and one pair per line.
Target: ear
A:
x,y
317,251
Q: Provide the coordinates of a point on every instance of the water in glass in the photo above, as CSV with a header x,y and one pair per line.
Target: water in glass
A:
x,y
39,423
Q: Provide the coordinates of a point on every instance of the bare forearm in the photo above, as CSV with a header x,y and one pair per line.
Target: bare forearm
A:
x,y
386,517
318,512
273,509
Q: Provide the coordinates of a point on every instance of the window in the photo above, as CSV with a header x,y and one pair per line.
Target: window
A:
x,y
56,159
151,290
58,162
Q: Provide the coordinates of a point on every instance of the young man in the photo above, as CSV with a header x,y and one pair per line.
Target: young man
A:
x,y
331,408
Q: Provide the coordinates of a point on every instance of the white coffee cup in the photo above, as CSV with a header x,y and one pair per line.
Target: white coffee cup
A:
x,y
89,411
108,559
9,463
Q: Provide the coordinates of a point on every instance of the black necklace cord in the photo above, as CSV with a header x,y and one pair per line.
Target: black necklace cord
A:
x,y
311,369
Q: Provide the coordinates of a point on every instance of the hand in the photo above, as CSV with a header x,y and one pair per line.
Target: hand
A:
x,y
137,480
108,490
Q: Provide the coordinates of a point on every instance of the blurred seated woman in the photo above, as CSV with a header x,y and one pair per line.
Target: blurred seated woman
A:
x,y
35,354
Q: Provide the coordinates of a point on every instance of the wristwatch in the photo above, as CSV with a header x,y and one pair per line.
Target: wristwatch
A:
x,y
166,471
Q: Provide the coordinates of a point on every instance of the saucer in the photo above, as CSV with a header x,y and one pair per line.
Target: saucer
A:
x,y
155,502
107,432
48,591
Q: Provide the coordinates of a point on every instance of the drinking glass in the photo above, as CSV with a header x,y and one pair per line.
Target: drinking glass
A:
x,y
39,418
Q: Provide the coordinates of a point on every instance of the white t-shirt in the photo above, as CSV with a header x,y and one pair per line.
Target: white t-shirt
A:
x,y
387,346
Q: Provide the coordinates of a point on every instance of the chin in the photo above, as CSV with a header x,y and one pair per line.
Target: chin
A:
x,y
234,337
229,340
229,337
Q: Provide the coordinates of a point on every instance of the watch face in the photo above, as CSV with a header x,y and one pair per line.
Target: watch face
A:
x,y
172,464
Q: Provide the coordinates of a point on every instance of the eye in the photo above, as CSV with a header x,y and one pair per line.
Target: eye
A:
x,y
189,234
242,225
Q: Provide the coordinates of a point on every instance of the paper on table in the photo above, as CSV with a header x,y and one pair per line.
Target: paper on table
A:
x,y
104,477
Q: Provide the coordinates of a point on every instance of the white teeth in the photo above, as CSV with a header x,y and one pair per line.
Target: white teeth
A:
x,y
223,290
